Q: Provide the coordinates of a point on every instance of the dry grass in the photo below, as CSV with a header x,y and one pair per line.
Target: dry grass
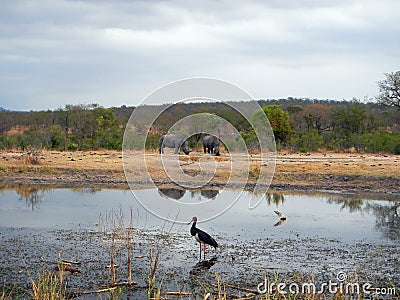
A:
x,y
105,167
6,294
118,237
49,286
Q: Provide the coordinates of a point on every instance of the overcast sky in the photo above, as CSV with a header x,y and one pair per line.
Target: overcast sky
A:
x,y
54,53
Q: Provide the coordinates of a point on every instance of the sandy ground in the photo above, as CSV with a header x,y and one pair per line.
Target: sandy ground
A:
x,y
348,172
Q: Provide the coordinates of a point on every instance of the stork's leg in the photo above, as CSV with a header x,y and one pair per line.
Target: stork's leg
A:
x,y
200,251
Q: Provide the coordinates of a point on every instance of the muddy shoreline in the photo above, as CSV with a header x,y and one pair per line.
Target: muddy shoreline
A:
x,y
352,185
336,173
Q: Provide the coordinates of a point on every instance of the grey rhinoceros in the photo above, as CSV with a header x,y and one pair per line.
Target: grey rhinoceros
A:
x,y
175,141
211,144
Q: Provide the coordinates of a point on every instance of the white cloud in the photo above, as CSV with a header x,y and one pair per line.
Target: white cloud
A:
x,y
58,52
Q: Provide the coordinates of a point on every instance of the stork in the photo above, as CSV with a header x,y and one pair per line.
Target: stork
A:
x,y
202,237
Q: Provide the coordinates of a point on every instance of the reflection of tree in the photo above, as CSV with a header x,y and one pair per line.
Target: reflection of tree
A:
x,y
275,198
353,205
31,194
172,193
387,218
86,190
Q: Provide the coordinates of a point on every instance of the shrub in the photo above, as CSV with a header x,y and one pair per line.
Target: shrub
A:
x,y
308,141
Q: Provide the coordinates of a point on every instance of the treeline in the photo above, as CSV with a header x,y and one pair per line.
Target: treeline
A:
x,y
298,124
74,127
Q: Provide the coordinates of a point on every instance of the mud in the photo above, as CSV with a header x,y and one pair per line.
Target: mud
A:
x,y
240,262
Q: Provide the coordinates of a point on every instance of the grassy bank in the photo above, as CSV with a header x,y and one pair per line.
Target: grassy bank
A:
x,y
333,171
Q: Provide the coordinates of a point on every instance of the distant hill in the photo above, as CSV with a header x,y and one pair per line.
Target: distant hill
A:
x,y
3,109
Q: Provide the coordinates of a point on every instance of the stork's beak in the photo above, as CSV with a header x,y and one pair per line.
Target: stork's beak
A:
x,y
190,222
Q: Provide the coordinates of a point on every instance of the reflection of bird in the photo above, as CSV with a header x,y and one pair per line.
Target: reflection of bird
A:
x,y
202,267
205,264
202,237
64,272
280,215
280,222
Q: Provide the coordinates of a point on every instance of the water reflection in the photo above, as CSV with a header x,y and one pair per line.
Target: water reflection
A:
x,y
177,194
202,266
209,194
32,195
275,198
82,190
353,205
387,218
172,193
280,222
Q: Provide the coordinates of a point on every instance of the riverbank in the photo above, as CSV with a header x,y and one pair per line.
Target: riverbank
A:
x,y
335,172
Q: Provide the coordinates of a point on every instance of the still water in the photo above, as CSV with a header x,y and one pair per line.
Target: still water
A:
x,y
334,217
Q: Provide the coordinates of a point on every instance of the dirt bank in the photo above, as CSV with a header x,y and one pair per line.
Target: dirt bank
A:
x,y
316,171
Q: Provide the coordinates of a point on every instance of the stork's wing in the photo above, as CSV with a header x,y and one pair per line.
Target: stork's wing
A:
x,y
206,238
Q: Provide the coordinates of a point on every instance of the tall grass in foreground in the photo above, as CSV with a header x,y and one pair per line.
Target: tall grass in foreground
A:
x,y
156,248
49,286
6,295
118,237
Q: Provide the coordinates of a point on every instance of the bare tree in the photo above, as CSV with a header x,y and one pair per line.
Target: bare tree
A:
x,y
389,89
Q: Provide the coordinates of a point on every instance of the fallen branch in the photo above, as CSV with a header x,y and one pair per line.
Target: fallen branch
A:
x,y
125,283
177,293
70,262
97,292
239,288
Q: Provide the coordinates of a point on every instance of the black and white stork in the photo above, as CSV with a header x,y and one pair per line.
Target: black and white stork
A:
x,y
202,237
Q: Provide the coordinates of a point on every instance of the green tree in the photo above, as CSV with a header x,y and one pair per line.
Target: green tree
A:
x,y
352,119
279,121
389,89
348,123
308,141
316,117
64,120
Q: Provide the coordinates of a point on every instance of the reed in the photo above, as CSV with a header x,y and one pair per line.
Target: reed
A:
x,y
48,286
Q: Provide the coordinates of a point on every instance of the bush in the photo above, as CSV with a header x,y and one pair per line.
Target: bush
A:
x,y
72,147
396,149
251,141
308,141
152,141
379,141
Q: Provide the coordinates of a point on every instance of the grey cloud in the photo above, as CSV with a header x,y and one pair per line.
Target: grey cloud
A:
x,y
58,52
